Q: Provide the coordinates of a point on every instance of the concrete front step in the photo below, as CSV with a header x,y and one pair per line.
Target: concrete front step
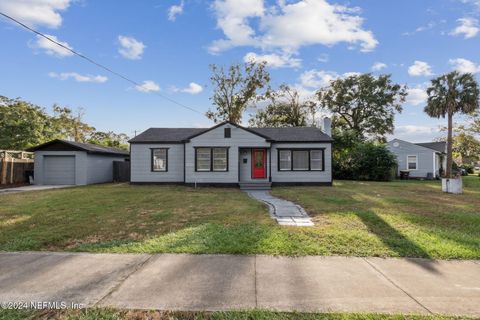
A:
x,y
255,185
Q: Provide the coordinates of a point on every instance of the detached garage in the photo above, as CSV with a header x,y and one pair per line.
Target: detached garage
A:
x,y
61,162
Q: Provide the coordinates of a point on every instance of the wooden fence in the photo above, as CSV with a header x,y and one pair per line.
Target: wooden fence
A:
x,y
15,167
121,171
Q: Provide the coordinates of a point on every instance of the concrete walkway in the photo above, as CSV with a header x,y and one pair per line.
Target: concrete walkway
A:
x,y
285,212
32,188
226,282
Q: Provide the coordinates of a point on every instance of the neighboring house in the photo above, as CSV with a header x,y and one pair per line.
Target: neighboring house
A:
x,y
422,160
61,162
228,154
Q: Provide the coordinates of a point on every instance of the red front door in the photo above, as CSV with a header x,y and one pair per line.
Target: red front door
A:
x,y
259,163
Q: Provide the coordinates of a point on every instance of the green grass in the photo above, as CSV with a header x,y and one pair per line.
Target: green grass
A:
x,y
388,219
112,314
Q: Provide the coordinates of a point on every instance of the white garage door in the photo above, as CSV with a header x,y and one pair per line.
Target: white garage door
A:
x,y
59,170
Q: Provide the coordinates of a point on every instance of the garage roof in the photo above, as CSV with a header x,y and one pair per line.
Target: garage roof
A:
x,y
65,145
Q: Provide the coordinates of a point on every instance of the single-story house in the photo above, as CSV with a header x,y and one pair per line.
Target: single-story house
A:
x,y
421,160
229,154
62,162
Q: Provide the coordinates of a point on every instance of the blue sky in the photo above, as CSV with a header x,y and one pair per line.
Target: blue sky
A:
x,y
168,46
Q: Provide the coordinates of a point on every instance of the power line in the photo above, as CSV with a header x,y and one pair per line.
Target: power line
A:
x,y
96,63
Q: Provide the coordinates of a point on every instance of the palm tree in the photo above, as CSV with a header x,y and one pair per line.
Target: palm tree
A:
x,y
449,94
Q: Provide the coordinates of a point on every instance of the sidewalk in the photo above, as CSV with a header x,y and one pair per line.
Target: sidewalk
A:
x,y
224,282
32,188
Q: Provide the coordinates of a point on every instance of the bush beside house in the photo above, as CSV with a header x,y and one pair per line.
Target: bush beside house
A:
x,y
365,161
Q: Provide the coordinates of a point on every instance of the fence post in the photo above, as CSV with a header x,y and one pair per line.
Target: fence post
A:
x,y
3,173
12,166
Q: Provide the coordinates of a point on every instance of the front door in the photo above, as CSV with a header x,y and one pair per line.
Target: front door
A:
x,y
259,163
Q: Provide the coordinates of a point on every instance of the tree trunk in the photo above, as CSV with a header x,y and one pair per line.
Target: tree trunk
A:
x,y
448,173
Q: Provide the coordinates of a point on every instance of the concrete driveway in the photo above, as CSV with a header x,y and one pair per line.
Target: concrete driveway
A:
x,y
226,282
32,188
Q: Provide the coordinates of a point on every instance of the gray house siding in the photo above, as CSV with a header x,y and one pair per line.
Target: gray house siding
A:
x,y
80,165
89,168
100,167
302,176
425,158
215,138
141,163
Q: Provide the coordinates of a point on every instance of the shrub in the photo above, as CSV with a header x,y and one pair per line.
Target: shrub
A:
x,y
468,168
365,161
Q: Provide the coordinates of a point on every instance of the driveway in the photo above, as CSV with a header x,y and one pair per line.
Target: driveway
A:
x,y
33,188
232,282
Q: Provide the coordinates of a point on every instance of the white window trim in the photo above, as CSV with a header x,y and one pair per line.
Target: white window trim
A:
x,y
416,162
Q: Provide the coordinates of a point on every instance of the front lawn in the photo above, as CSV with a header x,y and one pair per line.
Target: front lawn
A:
x,y
112,314
402,218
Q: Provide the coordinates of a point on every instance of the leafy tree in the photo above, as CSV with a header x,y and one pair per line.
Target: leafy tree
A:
x,y
70,125
235,88
474,127
109,139
285,109
363,103
450,94
23,125
465,146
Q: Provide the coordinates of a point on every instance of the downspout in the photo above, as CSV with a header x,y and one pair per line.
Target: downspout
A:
x,y
184,163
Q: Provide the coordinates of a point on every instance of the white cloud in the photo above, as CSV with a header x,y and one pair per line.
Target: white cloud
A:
x,y
130,48
193,88
416,96
232,18
377,66
274,60
51,48
78,77
475,3
36,12
288,26
464,65
416,133
429,26
148,86
319,78
468,27
420,68
174,11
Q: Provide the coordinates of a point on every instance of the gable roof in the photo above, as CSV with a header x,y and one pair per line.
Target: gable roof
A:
x,y
294,134
180,135
230,123
72,145
173,135
437,146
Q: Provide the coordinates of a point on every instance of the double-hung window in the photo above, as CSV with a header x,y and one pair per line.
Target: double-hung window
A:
x,y
300,160
160,159
285,160
412,162
211,159
316,159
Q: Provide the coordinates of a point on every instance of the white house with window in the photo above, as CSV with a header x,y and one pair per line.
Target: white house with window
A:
x,y
422,160
229,154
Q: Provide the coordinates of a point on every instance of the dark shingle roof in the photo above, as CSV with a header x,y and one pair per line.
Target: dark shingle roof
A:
x,y
166,134
291,134
90,148
437,146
